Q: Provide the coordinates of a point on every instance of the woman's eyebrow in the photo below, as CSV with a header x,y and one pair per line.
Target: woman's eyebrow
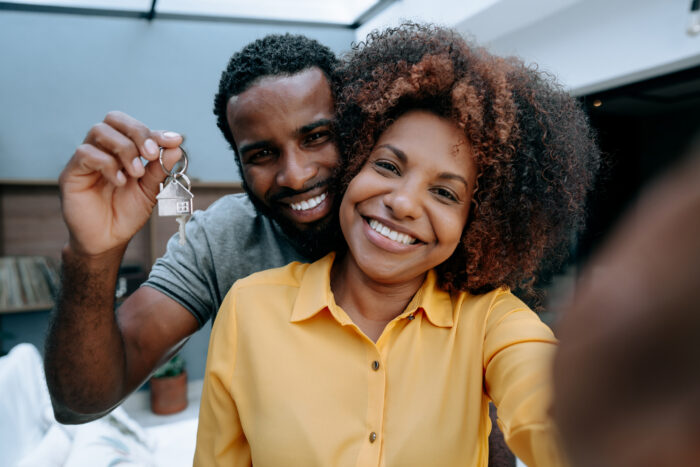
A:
x,y
398,152
445,175
454,176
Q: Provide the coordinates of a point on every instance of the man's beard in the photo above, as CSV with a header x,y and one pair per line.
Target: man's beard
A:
x,y
318,239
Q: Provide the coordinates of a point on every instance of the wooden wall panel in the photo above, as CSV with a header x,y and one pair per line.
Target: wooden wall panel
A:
x,y
31,222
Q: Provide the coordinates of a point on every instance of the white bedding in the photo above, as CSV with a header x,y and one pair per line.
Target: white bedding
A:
x,y
30,436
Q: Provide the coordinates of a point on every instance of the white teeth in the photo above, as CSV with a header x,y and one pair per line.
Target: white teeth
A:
x,y
308,203
391,234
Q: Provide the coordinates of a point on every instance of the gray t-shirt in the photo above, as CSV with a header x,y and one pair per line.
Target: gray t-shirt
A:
x,y
228,241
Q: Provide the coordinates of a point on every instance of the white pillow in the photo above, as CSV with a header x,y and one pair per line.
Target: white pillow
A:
x,y
24,404
112,440
53,449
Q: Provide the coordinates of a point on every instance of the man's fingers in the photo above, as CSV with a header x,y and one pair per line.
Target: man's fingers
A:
x,y
170,157
126,140
143,138
113,142
155,173
89,159
167,139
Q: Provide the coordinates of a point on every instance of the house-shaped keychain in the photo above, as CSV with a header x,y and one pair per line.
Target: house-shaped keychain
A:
x,y
174,200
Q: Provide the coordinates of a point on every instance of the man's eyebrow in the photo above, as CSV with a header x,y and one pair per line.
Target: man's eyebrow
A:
x,y
256,145
313,125
402,157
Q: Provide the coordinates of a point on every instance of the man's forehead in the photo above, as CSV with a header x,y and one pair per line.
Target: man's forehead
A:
x,y
311,82
294,100
303,77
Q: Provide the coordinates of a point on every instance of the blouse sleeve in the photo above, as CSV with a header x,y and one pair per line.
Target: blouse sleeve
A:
x,y
220,437
518,355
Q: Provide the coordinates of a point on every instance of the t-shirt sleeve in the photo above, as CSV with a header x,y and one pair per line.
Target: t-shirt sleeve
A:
x,y
518,356
220,437
186,272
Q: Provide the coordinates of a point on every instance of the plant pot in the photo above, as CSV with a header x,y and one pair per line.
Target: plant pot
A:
x,y
169,395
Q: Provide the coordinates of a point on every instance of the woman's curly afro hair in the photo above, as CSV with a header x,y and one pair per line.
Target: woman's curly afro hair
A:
x,y
534,149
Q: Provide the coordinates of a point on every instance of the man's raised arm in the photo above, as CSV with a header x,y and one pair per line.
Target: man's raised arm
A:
x,y
95,357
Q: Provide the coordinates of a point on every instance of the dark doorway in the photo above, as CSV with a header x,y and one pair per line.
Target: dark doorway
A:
x,y
643,128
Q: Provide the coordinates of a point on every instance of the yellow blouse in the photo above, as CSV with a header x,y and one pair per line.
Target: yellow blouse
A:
x,y
290,380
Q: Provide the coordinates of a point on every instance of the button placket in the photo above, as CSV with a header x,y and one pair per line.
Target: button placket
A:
x,y
375,405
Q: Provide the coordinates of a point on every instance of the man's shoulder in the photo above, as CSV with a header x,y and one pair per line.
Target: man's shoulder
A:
x,y
236,205
234,219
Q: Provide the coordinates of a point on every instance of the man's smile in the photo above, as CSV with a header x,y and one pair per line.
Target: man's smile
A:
x,y
309,203
307,206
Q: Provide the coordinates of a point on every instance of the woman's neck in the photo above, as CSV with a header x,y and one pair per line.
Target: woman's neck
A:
x,y
371,305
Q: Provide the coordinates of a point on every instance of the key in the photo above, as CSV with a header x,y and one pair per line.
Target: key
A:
x,y
175,199
181,230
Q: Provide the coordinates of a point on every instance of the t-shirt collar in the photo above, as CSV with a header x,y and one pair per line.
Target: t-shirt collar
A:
x,y
315,295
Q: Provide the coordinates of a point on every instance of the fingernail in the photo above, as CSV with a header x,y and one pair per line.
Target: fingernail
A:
x,y
121,179
171,134
151,147
138,166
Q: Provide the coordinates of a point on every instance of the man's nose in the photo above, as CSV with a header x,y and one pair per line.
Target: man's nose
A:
x,y
296,170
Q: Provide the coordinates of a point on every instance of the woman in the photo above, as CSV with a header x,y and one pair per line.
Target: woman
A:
x,y
462,173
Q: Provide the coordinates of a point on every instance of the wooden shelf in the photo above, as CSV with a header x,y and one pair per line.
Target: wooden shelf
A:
x,y
27,283
27,309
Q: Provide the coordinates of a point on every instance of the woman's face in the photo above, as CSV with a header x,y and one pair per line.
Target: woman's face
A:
x,y
405,211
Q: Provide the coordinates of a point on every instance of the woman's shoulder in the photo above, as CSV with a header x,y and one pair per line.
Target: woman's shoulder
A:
x,y
288,275
500,298
493,308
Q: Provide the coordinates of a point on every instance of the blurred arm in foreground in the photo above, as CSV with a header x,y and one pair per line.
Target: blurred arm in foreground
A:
x,y
627,379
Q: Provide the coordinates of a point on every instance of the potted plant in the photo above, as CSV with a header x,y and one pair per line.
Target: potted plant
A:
x,y
169,387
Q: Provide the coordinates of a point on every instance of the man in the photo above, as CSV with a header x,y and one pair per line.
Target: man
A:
x,y
275,108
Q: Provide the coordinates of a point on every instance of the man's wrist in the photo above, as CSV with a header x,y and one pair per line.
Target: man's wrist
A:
x,y
71,254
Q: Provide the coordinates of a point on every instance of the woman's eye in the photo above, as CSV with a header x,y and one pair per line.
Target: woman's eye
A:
x,y
384,165
446,194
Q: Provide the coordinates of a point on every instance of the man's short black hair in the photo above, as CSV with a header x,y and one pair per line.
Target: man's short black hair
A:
x,y
273,55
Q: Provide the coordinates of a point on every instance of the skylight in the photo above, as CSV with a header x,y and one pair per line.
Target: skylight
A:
x,y
341,12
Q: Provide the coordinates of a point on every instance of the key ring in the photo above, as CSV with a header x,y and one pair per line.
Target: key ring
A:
x,y
179,173
177,177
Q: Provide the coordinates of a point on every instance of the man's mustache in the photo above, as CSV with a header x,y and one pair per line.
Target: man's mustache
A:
x,y
288,192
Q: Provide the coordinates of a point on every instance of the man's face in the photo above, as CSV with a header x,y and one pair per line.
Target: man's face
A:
x,y
282,129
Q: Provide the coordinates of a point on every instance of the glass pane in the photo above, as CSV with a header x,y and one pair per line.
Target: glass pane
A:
x,y
130,5
326,11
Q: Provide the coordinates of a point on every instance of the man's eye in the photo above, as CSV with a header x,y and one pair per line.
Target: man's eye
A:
x,y
318,137
259,156
386,166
